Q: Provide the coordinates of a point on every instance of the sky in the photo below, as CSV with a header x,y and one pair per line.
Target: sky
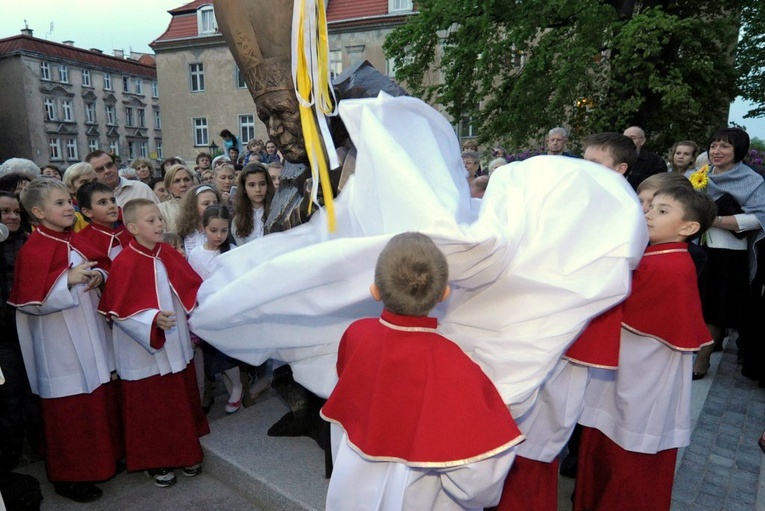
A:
x,y
133,24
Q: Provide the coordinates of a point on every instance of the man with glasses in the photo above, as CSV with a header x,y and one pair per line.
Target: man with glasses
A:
x,y
124,189
647,164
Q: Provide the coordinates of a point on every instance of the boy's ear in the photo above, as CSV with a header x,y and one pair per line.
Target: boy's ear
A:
x,y
690,228
621,168
37,212
447,292
375,292
132,229
87,212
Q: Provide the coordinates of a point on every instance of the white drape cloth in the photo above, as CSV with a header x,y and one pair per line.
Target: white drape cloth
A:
x,y
549,247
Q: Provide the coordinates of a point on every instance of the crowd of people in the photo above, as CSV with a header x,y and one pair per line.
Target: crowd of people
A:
x,y
83,243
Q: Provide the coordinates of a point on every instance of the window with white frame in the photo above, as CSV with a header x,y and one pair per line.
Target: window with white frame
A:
x,y
160,152
141,118
399,5
71,149
107,81
206,20
111,115
44,70
246,128
466,128
92,144
90,113
129,116
54,145
200,132
154,89
138,86
132,149
66,109
50,109
157,120
335,62
63,73
126,84
114,147
239,79
143,149
86,77
197,77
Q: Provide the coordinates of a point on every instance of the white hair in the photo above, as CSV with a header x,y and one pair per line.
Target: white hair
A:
x,y
559,130
20,165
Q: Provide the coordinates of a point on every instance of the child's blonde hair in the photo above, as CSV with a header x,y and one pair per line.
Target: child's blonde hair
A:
x,y
411,274
663,180
34,195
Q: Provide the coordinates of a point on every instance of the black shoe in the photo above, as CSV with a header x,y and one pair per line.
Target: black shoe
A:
x,y
78,492
568,466
120,466
698,376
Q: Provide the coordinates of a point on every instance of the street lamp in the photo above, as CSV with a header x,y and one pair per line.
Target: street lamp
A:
x,y
213,147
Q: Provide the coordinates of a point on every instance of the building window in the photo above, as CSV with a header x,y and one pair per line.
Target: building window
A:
x,y
111,115
139,86
92,144
206,20
114,147
246,128
90,113
86,77
63,74
154,89
55,148
399,5
50,109
66,108
71,149
197,76
129,116
126,84
44,70
143,149
160,153
141,118
132,153
335,62
239,79
466,128
107,81
200,132
157,120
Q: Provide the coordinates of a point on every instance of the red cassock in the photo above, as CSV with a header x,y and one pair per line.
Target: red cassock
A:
x,y
406,394
101,240
82,432
170,400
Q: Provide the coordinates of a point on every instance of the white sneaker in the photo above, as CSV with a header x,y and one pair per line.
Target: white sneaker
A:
x,y
162,477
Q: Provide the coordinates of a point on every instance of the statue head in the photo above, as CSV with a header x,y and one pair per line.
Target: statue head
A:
x,y
258,33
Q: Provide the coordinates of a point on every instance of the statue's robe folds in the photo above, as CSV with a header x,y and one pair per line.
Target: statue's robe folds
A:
x,y
550,246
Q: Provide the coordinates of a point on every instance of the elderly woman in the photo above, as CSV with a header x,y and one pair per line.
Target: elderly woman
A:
x,y
178,180
729,245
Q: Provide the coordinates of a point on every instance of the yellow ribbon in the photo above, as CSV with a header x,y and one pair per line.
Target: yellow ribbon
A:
x,y
315,95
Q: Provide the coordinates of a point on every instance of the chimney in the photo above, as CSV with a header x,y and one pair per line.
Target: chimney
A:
x,y
96,50
26,31
120,54
68,43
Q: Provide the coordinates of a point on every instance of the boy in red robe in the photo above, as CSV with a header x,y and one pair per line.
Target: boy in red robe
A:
x,y
65,346
420,425
104,233
636,418
151,289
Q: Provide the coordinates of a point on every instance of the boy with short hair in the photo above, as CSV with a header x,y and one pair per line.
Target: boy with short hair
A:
x,y
150,291
65,346
637,417
104,233
422,426
612,150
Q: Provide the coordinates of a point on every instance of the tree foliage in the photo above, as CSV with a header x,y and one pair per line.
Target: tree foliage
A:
x,y
750,57
591,65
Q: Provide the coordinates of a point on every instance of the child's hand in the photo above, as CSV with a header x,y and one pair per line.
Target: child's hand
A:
x,y
82,274
165,320
96,280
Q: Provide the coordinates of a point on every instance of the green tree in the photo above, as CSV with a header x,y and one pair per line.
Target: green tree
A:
x,y
750,57
594,65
